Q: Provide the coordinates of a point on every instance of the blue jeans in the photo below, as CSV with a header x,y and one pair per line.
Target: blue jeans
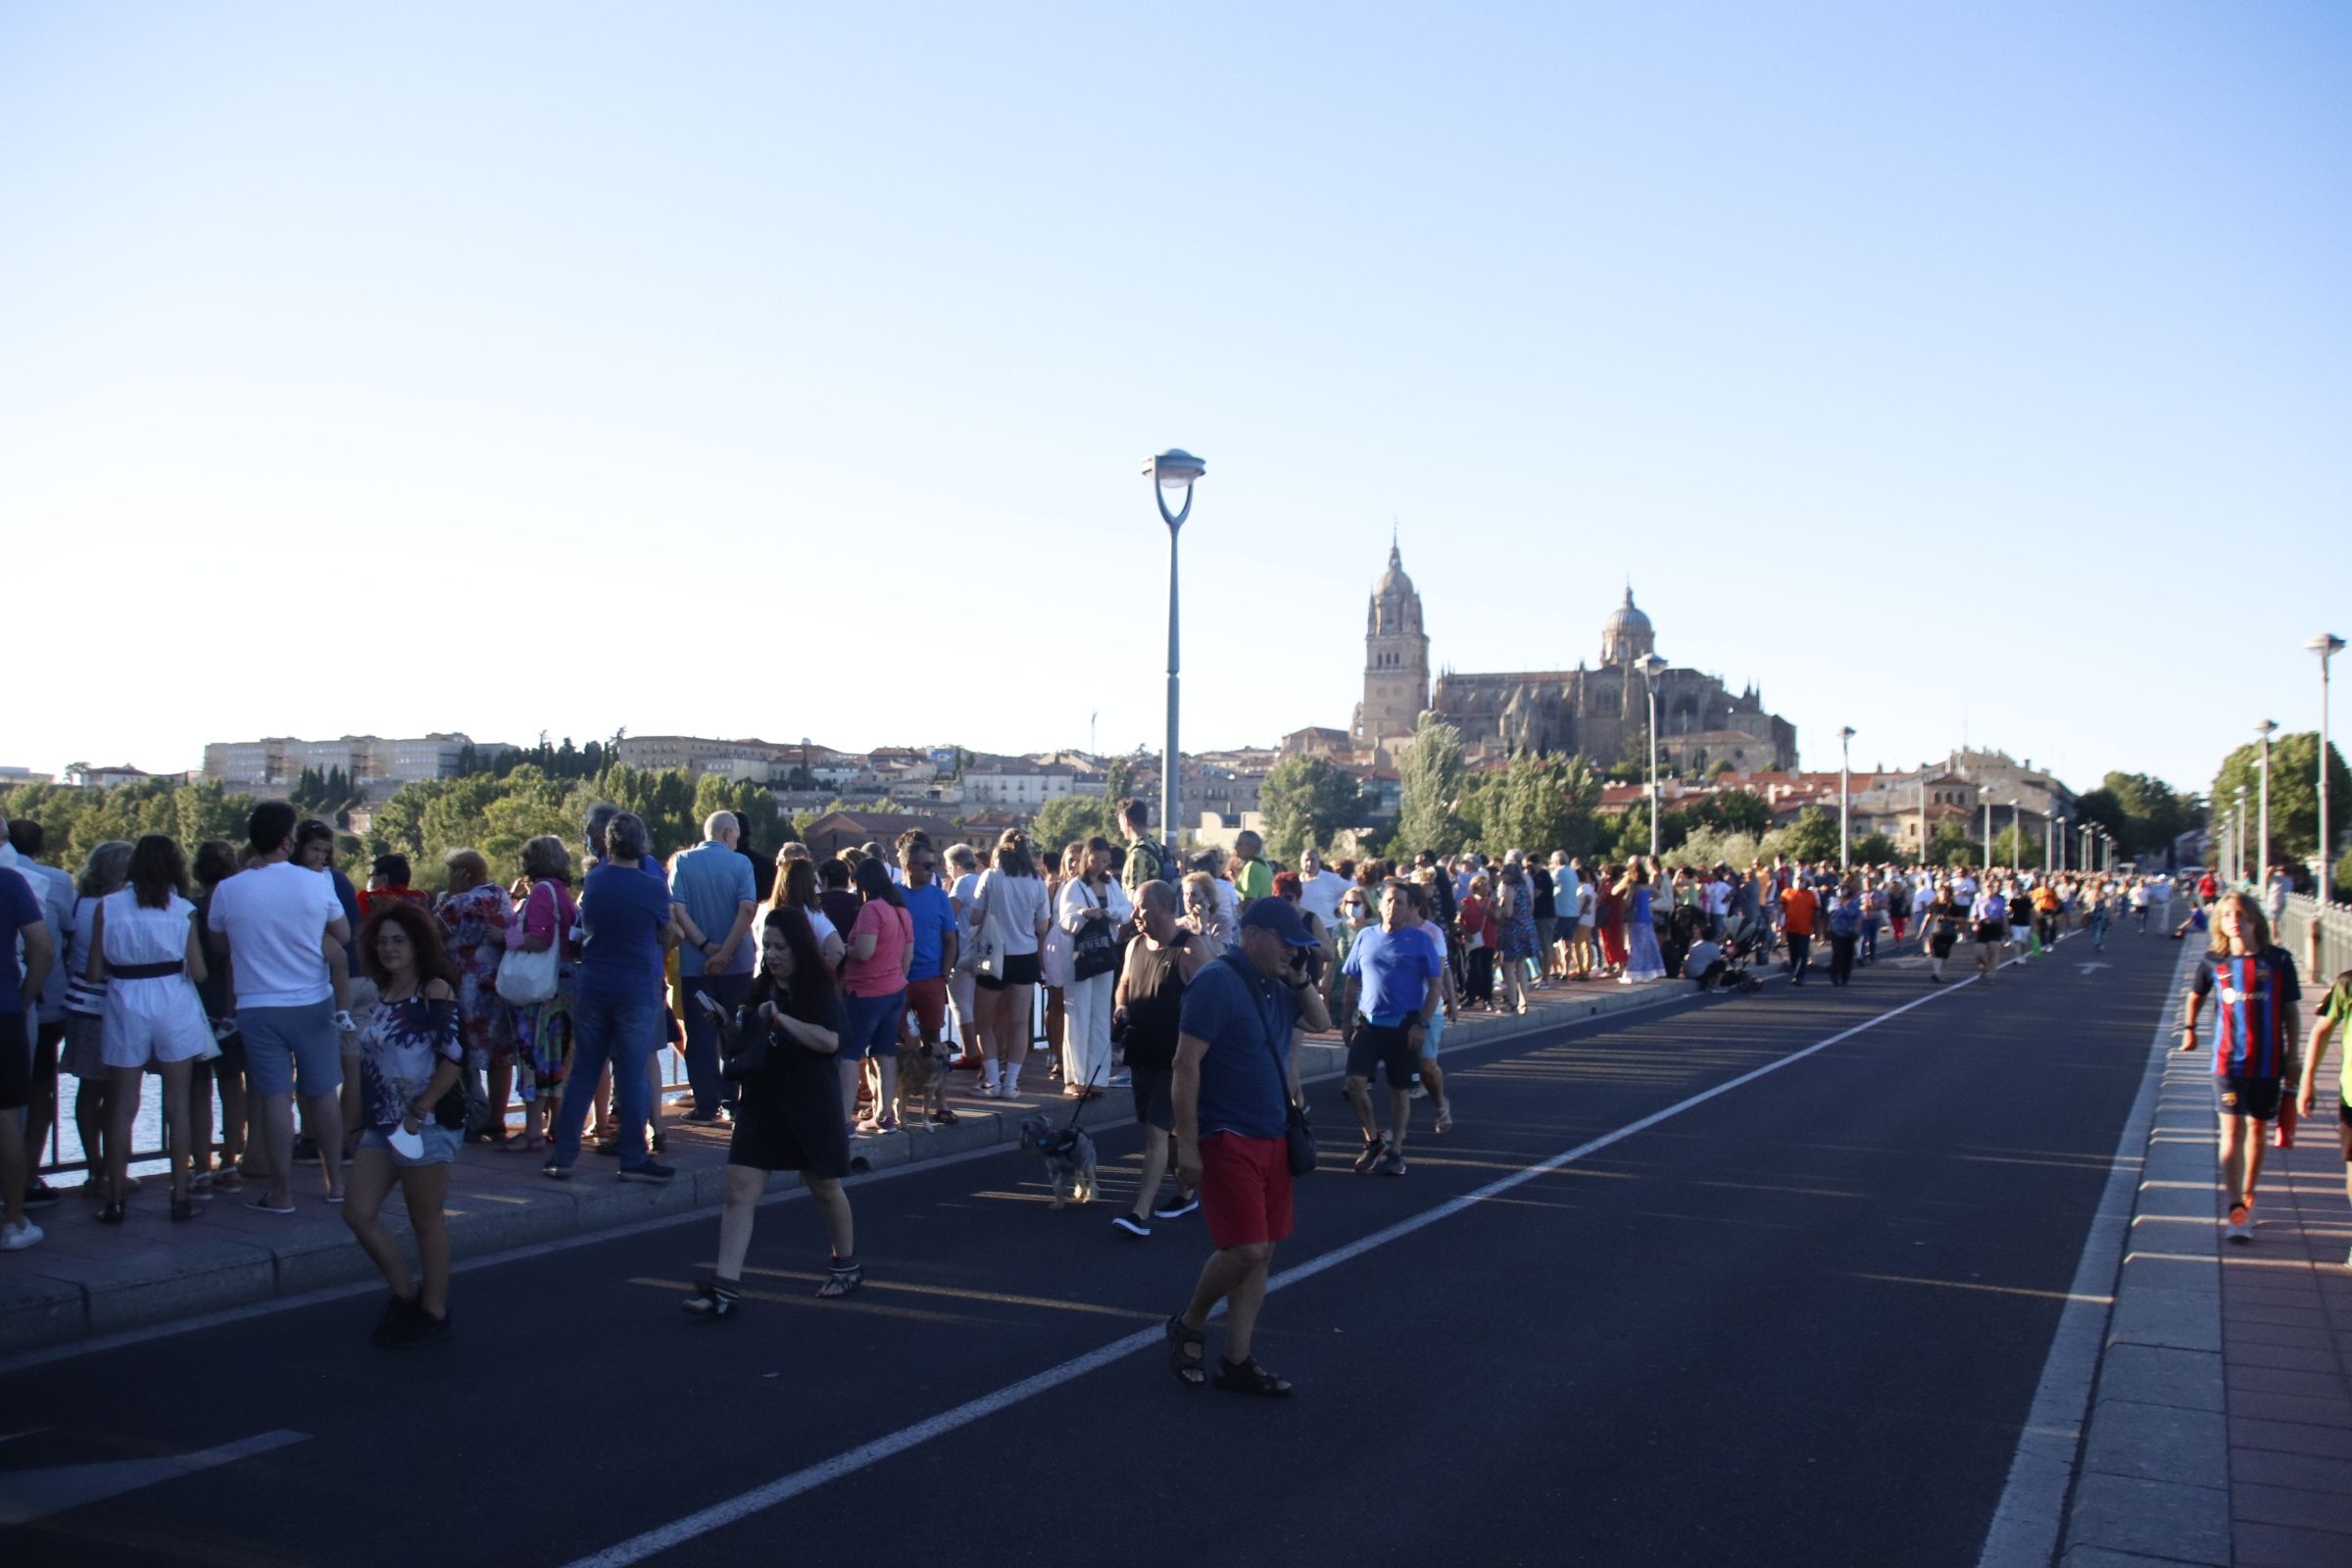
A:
x,y
623,1031
710,1091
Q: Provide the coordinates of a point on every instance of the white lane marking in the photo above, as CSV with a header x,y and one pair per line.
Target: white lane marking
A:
x,y
2024,1532
785,1488
29,1494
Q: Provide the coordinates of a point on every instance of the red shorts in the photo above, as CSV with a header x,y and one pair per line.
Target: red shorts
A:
x,y
1244,1190
927,999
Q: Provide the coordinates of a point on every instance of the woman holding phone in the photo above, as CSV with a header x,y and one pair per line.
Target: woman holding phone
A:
x,y
788,1113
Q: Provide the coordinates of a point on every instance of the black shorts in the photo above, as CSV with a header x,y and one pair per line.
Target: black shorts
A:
x,y
2257,1097
1154,1097
1389,1048
16,1062
1020,969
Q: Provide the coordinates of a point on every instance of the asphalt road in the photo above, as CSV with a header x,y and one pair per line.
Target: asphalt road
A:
x,y
1799,1322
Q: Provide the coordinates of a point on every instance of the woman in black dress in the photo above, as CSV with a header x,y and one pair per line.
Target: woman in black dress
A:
x,y
789,1114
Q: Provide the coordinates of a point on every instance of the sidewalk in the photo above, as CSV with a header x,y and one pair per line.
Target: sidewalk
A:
x,y
87,1279
2221,1430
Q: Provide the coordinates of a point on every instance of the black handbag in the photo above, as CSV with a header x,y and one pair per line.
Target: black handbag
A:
x,y
742,1053
1098,948
1298,1138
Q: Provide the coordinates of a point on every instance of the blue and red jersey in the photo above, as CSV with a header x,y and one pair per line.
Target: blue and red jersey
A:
x,y
2253,995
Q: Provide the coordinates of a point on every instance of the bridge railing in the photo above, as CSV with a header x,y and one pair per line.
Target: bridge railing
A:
x,y
2321,939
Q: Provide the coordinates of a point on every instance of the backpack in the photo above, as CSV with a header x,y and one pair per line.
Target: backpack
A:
x,y
1163,864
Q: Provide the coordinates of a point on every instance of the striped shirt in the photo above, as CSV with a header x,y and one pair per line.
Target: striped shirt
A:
x,y
2255,993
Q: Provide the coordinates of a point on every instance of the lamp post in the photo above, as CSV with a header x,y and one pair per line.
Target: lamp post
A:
x,y
2327,645
1845,791
1651,668
2262,832
2053,855
2237,865
1172,468
1988,828
2017,837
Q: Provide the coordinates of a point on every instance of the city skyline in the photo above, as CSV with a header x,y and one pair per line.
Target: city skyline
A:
x,y
1925,371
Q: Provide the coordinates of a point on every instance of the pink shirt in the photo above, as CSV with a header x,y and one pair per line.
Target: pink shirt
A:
x,y
885,972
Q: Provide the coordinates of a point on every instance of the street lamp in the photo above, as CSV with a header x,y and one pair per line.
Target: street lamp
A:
x,y
2017,837
2053,841
2262,833
1988,795
1653,667
1846,772
2238,866
1170,470
2327,645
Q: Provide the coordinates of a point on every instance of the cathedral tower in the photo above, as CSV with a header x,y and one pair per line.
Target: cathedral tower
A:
x,y
1395,658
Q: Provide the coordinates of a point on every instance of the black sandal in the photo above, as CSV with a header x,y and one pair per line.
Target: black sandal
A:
x,y
713,1298
846,1275
1185,1354
1247,1377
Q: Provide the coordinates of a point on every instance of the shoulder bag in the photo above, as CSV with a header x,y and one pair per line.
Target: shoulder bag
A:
x,y
1298,1138
525,978
1098,948
986,954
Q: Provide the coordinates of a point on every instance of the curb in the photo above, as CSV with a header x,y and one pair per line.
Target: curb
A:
x,y
55,1295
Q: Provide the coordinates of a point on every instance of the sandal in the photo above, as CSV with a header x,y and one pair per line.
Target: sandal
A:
x,y
713,1298
1247,1377
1184,1354
843,1277
946,1118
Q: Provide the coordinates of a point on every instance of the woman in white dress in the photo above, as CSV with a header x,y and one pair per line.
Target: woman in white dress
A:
x,y
1093,909
145,948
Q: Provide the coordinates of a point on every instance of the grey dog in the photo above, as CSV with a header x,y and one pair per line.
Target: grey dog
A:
x,y
1069,1155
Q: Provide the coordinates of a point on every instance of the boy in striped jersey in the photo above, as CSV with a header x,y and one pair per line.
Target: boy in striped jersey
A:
x,y
2254,1038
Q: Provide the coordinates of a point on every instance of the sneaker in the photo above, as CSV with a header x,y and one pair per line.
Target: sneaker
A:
x,y
305,1150
414,1328
39,1193
562,1173
1375,1150
397,1311
609,1147
1395,1164
650,1171
706,1118
17,1238
2239,1231
1130,1224
1176,1208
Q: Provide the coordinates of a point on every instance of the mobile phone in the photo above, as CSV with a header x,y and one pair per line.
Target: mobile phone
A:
x,y
710,1003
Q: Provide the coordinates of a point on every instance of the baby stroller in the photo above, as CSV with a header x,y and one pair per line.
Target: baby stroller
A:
x,y
1747,942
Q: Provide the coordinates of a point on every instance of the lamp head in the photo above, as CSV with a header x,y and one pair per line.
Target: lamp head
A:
x,y
1175,467
2327,645
1653,667
2266,729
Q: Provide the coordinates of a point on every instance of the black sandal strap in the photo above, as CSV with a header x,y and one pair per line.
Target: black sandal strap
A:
x,y
1247,1377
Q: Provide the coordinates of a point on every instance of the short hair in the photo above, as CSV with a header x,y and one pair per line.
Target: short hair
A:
x,y
546,856
106,870
836,872
1285,885
425,938
157,870
962,854
912,838
269,825
313,830
592,831
718,822
1202,888
25,837
216,862
1156,892
394,868
473,861
1135,813
625,837
1246,836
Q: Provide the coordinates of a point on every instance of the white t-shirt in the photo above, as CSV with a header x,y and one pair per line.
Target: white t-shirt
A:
x,y
1320,894
275,918
1015,904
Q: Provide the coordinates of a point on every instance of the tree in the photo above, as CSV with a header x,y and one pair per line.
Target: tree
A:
x,y
1306,800
1429,778
1070,819
1812,837
1875,848
1537,804
2154,812
2009,847
2294,792
1953,844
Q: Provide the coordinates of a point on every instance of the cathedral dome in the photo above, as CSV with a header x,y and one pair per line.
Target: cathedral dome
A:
x,y
1394,581
1627,634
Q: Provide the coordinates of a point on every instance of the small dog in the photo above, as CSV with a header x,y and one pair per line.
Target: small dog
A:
x,y
923,1083
1069,1155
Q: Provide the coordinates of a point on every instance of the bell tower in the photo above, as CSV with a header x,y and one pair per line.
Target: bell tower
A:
x,y
1395,657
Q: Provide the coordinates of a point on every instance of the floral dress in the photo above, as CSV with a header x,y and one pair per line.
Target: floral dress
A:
x,y
1519,926
477,921
403,1043
1642,960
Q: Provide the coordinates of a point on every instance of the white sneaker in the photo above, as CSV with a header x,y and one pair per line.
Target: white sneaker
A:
x,y
2240,1232
17,1238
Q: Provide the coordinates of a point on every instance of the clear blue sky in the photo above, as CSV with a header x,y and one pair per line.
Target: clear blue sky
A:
x,y
715,367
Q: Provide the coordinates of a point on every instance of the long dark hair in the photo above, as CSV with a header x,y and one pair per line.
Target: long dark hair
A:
x,y
157,870
425,940
873,882
808,996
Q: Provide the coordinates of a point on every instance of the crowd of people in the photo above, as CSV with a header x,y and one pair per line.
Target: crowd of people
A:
x,y
292,1019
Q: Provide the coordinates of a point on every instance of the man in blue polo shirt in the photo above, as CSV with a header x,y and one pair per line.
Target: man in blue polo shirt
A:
x,y
713,886
1390,991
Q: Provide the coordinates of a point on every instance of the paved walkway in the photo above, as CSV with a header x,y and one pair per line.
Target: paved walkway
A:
x,y
87,1279
2221,1430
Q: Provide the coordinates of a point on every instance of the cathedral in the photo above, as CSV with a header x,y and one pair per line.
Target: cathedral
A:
x,y
1602,713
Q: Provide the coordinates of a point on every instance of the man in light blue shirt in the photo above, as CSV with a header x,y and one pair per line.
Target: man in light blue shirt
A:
x,y
712,897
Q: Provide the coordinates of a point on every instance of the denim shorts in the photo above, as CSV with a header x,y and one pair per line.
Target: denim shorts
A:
x,y
440,1145
285,1046
873,1025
